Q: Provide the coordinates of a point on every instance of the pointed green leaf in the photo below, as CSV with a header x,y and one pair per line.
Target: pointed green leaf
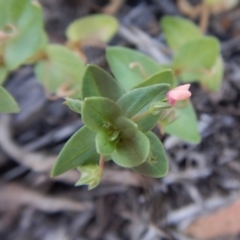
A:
x,y
61,69
98,83
164,76
74,104
79,150
195,57
97,27
120,60
157,164
185,126
131,152
27,21
138,101
103,143
99,113
179,31
91,175
211,80
7,102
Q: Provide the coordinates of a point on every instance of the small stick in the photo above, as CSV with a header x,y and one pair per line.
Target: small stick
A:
x,y
204,18
101,162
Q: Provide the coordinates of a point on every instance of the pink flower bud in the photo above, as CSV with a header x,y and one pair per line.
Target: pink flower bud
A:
x,y
178,94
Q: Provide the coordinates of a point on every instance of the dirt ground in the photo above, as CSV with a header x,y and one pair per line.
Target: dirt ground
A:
x,y
198,199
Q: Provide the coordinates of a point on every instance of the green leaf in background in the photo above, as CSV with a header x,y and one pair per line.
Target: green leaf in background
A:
x,y
97,27
91,175
62,68
185,126
121,59
7,102
211,80
98,83
219,6
194,57
99,113
74,104
131,152
179,31
164,76
103,143
139,100
157,164
40,53
3,74
26,21
79,150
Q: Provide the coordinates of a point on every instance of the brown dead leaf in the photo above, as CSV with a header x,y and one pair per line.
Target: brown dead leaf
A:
x,y
222,223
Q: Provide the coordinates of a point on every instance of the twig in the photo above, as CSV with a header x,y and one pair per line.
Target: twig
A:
x,y
14,195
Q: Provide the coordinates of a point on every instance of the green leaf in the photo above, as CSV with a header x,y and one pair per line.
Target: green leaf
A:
x,y
195,57
157,164
79,150
138,101
219,6
211,80
97,27
185,126
127,128
103,143
91,175
179,31
7,102
40,53
164,76
99,113
120,60
131,152
27,20
3,74
74,104
99,83
62,69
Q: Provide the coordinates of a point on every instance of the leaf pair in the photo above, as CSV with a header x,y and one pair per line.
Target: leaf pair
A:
x,y
197,58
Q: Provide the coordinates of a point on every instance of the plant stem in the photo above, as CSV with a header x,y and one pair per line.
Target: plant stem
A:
x,y
160,128
101,162
204,18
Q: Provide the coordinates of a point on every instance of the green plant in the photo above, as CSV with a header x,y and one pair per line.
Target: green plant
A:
x,y
59,68
118,123
196,58
118,111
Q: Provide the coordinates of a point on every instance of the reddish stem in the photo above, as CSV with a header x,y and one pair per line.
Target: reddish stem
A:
x,y
101,162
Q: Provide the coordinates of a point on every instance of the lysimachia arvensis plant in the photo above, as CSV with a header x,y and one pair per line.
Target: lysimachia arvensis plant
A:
x,y
118,122
120,110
